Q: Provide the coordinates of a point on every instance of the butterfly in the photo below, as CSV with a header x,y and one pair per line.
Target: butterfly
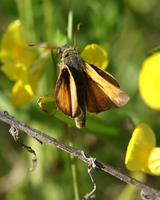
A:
x,y
82,86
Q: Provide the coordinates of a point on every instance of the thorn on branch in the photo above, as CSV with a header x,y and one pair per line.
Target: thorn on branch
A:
x,y
38,140
146,195
30,150
91,166
15,134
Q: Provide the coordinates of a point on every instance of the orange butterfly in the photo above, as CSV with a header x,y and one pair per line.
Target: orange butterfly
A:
x,y
82,86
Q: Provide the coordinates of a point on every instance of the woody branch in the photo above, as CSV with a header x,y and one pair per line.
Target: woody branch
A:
x,y
77,153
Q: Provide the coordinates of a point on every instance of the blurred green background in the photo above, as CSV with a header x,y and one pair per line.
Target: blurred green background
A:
x,y
128,30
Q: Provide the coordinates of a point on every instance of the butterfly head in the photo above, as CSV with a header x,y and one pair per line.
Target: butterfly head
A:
x,y
66,50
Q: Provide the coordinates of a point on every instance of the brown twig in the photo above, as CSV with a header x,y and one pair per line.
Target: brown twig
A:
x,y
87,159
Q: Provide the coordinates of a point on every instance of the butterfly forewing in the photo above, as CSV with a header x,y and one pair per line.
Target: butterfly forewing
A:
x,y
73,94
62,93
107,76
65,93
107,88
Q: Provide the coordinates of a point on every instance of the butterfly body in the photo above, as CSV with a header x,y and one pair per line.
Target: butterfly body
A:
x,y
82,86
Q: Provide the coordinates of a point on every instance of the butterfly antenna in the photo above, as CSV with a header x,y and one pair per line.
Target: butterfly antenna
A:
x,y
40,45
43,45
75,35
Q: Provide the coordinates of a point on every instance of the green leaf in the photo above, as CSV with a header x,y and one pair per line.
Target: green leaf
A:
x,y
156,50
47,104
93,123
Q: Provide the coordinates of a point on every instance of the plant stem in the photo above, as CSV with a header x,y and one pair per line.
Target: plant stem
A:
x,y
72,158
26,17
70,26
55,75
74,171
48,19
68,136
49,32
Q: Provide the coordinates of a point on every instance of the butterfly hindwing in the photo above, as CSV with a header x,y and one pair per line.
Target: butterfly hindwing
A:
x,y
96,99
103,89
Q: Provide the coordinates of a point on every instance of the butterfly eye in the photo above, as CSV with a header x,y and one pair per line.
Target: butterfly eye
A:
x,y
60,52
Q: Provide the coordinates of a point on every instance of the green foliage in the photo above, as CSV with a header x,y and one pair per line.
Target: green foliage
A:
x,y
128,30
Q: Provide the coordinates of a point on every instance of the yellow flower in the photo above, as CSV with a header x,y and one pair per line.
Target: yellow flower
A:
x,y
19,62
149,81
14,48
94,54
141,151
